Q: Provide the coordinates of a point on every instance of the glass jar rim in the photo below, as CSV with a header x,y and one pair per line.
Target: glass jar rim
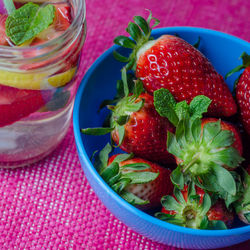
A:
x,y
70,34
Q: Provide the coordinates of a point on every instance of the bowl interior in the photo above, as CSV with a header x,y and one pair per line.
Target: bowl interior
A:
x,y
99,83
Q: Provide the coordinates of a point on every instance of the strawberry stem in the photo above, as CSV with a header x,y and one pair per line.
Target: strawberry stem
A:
x,y
191,163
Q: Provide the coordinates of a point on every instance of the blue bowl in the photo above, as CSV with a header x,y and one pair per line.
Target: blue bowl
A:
x,y
98,84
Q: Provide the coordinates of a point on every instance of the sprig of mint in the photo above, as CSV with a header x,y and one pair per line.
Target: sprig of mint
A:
x,y
166,106
28,21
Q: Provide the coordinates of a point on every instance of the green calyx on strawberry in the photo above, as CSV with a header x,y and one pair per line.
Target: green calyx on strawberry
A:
x,y
119,178
121,111
140,31
202,152
242,206
245,63
189,208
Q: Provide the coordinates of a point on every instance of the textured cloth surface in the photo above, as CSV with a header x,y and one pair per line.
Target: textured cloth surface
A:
x,y
50,204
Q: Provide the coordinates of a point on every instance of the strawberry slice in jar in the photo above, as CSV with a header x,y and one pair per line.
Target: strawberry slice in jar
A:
x,y
16,104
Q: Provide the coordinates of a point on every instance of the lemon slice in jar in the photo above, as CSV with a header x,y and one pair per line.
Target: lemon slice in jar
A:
x,y
36,81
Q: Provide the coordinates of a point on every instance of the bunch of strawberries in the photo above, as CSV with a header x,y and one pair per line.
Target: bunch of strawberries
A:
x,y
166,116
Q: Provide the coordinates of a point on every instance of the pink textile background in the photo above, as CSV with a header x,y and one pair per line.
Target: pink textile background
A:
x,y
50,204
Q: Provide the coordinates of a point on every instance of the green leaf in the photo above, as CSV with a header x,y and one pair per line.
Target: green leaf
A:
x,y
245,59
177,178
191,189
140,177
156,23
236,69
134,31
121,133
210,130
9,6
217,225
96,131
121,185
169,203
197,44
122,157
198,106
138,88
102,159
172,145
180,134
196,130
125,83
225,138
182,110
124,42
165,103
169,218
114,179
225,179
204,223
121,120
134,106
136,166
142,23
120,57
245,63
28,21
110,171
179,196
132,199
206,204
247,216
228,156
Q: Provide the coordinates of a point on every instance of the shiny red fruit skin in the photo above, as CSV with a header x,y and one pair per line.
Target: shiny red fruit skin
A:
x,y
3,37
152,191
219,212
243,98
176,65
146,133
16,104
228,126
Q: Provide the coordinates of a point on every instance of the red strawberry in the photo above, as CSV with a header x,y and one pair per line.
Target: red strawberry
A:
x,y
63,16
138,181
137,127
145,132
192,208
172,63
243,90
16,104
242,206
3,37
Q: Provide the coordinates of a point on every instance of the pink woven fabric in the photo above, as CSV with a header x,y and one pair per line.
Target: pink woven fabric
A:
x,y
50,204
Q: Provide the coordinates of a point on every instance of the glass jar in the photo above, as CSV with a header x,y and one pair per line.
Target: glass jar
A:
x,y
38,85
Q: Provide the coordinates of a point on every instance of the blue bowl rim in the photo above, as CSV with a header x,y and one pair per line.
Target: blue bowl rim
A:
x,y
95,174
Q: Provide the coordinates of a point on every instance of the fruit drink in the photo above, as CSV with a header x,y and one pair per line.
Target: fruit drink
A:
x,y
40,44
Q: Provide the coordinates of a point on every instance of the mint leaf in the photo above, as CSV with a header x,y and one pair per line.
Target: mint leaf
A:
x,y
198,106
28,21
165,104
